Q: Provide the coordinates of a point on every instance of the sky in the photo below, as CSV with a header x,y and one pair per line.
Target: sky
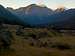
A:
x,y
49,3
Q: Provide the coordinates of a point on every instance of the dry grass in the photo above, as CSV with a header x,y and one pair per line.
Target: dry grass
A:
x,y
20,47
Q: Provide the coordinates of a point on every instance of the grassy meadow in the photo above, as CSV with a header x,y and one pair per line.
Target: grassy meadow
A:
x,y
38,42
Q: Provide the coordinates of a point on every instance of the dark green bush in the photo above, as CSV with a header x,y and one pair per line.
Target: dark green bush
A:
x,y
19,31
6,39
61,46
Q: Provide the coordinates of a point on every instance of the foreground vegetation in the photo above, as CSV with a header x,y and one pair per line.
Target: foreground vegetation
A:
x,y
35,42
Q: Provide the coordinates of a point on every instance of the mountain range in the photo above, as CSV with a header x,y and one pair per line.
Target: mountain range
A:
x,y
35,15
7,17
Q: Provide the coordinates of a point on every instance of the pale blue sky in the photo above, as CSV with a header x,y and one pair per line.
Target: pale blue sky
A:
x,y
49,3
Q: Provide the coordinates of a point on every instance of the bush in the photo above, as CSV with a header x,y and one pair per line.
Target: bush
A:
x,y
42,34
61,46
6,39
34,36
19,31
31,44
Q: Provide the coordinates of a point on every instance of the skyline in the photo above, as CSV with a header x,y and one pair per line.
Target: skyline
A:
x,y
53,4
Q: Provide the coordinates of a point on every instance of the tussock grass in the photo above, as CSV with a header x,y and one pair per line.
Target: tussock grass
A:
x,y
21,43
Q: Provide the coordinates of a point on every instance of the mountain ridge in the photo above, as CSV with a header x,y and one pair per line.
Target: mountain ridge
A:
x,y
35,15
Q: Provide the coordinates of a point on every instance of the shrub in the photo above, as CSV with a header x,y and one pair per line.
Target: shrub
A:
x,y
19,31
31,44
6,39
32,35
42,34
61,46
